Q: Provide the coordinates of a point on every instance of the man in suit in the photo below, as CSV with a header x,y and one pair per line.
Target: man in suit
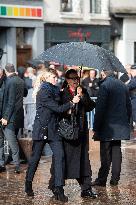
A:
x,y
132,89
2,85
111,125
12,101
91,83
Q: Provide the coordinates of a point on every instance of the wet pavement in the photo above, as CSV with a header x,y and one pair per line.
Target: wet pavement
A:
x,y
12,185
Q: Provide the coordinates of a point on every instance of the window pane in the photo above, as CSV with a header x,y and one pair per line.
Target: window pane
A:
x,y
66,5
95,6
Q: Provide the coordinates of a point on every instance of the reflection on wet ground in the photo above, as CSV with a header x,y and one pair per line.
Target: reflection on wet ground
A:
x,y
12,185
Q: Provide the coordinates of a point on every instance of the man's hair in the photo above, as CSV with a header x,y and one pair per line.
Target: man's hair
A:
x,y
10,68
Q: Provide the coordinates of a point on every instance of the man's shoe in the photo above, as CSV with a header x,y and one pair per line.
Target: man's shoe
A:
x,y
28,188
98,183
89,193
113,182
2,169
17,170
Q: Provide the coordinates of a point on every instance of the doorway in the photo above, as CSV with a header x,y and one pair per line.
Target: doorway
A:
x,y
24,53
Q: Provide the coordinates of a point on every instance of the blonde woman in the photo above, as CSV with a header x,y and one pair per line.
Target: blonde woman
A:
x,y
39,80
45,130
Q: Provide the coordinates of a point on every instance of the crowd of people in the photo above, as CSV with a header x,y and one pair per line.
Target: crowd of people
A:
x,y
51,94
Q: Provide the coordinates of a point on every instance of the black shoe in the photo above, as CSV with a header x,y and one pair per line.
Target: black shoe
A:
x,y
17,170
59,194
28,188
51,185
98,183
89,193
2,169
113,182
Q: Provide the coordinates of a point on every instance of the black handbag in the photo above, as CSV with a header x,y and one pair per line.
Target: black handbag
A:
x,y
68,128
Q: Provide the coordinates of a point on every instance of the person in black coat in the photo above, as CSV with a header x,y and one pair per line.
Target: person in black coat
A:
x,y
45,130
132,90
77,163
111,125
12,101
91,83
2,86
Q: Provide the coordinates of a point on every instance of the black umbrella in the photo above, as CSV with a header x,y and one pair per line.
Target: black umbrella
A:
x,y
82,54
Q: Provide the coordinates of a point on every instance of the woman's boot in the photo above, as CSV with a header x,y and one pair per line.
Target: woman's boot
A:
x,y
59,194
28,188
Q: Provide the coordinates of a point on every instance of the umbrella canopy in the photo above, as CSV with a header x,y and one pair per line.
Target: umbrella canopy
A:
x,y
84,54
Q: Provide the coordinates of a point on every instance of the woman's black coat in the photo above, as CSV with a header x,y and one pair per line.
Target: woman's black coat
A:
x,y
47,112
76,152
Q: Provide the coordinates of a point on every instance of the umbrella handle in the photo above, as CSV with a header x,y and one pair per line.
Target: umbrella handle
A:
x,y
80,74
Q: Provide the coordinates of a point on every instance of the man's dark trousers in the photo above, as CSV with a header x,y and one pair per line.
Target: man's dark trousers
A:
x,y
110,152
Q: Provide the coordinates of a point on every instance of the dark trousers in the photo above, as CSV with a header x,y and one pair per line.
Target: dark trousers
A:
x,y
57,149
84,182
110,152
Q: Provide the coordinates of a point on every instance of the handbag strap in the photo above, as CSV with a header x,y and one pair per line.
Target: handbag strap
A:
x,y
2,130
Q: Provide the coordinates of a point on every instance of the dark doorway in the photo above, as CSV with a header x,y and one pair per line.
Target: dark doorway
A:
x,y
24,53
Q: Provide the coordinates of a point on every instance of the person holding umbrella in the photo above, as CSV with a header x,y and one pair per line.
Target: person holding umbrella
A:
x,y
77,163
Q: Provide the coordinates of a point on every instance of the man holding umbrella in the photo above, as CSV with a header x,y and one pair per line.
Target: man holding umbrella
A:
x,y
111,125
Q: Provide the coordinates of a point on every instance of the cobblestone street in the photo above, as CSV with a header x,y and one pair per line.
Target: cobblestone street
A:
x,y
12,185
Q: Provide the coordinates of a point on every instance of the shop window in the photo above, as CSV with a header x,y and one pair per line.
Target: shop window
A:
x,y
66,5
95,6
134,52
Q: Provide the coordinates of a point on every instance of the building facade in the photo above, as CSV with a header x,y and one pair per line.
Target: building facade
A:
x,y
123,15
21,30
77,20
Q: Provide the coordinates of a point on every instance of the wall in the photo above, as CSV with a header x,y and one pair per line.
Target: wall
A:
x,y
129,37
53,14
123,6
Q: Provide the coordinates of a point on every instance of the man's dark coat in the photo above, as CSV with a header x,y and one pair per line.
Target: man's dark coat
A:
x,y
2,87
132,89
13,101
113,111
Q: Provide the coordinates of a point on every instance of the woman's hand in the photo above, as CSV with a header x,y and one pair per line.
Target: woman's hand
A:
x,y
4,122
76,99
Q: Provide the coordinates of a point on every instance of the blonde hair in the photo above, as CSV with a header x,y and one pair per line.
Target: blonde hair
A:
x,y
43,76
40,78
